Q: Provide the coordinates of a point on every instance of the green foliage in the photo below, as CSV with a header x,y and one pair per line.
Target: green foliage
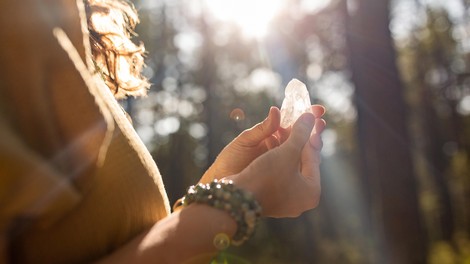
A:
x,y
432,64
446,253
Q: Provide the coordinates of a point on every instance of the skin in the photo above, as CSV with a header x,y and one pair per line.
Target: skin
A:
x,y
279,166
257,140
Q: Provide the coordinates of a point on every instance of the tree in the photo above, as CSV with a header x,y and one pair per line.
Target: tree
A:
x,y
426,63
388,179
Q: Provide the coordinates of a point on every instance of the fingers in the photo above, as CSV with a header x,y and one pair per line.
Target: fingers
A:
x,y
283,133
301,131
272,142
264,129
310,162
310,170
311,152
315,138
318,110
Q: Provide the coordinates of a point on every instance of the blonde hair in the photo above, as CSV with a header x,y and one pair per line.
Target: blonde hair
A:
x,y
116,57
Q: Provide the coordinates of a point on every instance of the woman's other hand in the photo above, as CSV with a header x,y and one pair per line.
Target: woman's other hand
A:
x,y
249,145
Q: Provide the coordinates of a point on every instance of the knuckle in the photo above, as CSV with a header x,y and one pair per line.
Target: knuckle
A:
x,y
315,200
318,144
314,203
262,128
296,214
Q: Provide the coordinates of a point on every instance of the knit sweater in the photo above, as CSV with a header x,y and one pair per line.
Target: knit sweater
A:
x,y
76,182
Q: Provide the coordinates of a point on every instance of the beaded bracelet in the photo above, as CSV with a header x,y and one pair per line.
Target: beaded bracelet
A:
x,y
224,195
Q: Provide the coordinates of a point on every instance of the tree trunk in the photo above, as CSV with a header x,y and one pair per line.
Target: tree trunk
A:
x,y
389,182
431,131
206,78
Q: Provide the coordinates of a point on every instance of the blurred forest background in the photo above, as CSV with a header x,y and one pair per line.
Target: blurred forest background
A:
x,y
395,78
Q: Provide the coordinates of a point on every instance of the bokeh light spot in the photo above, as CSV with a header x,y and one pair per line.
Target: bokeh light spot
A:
x,y
221,241
237,114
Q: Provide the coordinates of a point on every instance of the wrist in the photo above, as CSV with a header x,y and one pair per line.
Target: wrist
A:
x,y
224,195
247,183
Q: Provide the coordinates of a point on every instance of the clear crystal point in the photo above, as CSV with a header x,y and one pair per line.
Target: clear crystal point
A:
x,y
295,103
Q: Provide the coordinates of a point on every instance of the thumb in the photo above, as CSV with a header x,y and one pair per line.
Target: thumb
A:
x,y
300,133
263,129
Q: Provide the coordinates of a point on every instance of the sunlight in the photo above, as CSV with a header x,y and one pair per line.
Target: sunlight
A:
x,y
252,16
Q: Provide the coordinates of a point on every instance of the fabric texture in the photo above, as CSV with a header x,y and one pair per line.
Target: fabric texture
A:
x,y
76,182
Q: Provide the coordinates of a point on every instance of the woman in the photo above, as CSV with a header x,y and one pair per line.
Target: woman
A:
x,y
77,184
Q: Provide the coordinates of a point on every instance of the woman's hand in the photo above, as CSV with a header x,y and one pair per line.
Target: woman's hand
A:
x,y
286,179
251,144
283,133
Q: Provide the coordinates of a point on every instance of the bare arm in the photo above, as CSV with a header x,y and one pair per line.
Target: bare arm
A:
x,y
284,180
184,236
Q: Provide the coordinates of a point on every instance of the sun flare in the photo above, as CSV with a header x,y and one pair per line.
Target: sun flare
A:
x,y
252,16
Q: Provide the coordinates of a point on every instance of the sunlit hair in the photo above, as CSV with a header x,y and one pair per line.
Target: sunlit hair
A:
x,y
117,58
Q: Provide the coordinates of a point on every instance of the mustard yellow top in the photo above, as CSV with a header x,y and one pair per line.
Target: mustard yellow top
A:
x,y
76,182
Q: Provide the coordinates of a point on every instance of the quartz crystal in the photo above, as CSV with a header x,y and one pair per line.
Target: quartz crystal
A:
x,y
296,102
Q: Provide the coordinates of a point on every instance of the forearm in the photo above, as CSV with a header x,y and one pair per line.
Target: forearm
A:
x,y
184,236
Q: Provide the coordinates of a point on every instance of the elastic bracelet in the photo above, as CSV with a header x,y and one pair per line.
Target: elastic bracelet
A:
x,y
224,195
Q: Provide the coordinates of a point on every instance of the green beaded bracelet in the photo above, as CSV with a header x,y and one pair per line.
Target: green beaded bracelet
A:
x,y
224,195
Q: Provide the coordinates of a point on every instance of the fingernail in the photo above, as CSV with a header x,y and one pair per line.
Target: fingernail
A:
x,y
271,110
269,114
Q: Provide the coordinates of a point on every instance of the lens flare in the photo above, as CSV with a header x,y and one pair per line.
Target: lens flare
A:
x,y
237,114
